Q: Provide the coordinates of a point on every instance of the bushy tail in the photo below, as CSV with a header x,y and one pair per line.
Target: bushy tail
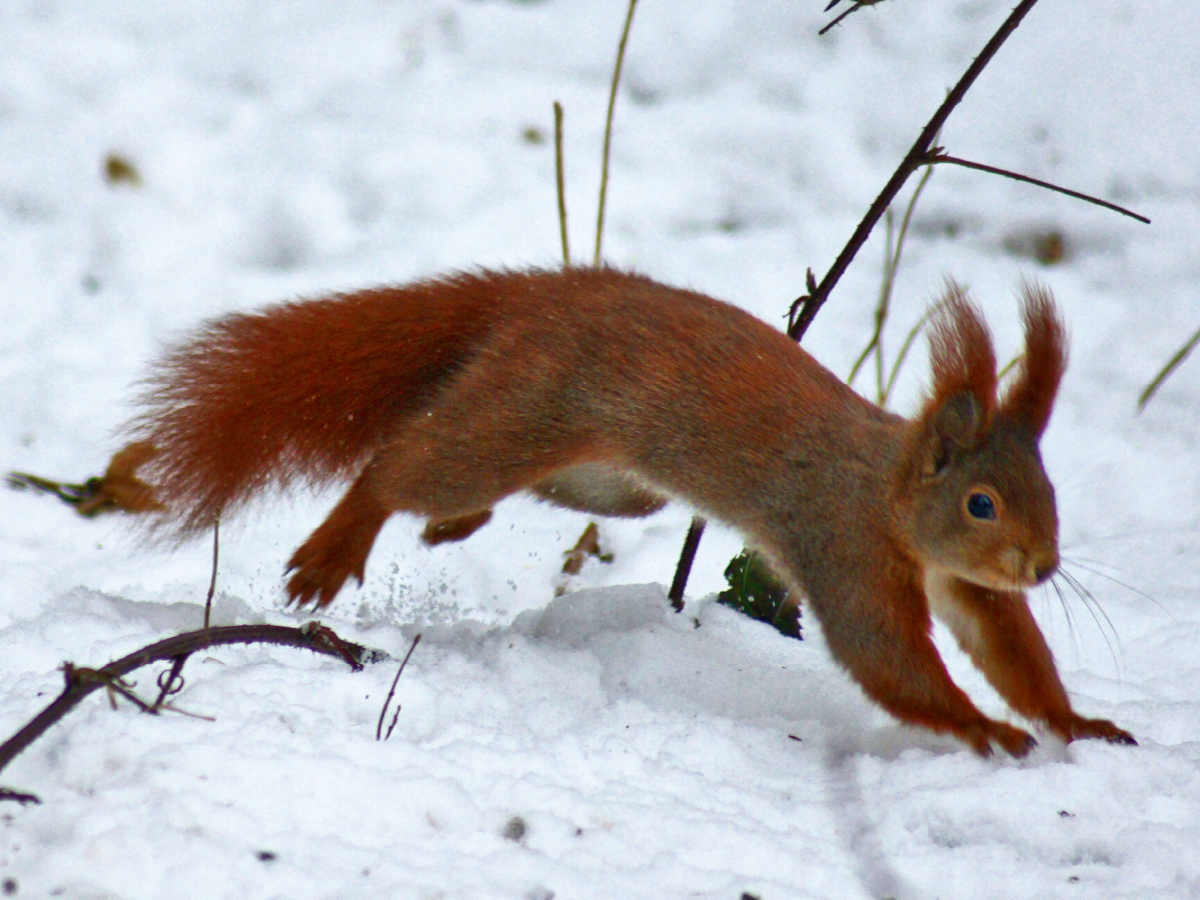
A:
x,y
304,390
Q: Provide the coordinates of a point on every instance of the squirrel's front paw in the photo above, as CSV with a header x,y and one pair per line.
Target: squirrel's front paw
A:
x,y
984,734
1077,727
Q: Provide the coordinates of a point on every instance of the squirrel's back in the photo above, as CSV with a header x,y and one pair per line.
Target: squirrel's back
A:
x,y
309,390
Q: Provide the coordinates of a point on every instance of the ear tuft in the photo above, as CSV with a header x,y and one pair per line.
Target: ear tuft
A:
x,y
1030,399
962,359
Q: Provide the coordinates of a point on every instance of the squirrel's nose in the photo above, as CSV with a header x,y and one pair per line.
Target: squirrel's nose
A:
x,y
1043,565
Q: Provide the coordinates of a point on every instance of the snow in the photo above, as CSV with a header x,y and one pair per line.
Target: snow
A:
x,y
595,745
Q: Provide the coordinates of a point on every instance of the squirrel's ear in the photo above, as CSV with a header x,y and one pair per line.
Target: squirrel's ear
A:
x,y
960,350
963,396
1030,399
957,424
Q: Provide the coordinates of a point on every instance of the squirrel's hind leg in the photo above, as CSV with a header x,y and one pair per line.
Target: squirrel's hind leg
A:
x,y
338,548
587,487
452,463
458,528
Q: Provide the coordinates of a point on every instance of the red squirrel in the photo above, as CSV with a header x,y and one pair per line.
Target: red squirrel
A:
x,y
607,392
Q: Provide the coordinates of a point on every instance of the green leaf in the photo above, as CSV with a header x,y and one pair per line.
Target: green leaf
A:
x,y
756,591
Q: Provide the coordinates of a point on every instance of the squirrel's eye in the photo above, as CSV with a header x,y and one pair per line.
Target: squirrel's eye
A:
x,y
981,506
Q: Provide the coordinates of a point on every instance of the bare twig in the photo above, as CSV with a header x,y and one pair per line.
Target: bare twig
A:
x,y
587,545
6,794
938,157
392,693
608,121
212,583
805,308
116,687
171,681
1008,367
686,557
560,182
324,639
118,488
82,681
854,8
73,494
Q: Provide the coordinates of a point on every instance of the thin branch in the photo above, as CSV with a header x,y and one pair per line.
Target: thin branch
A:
x,y
855,8
608,121
212,583
80,681
73,494
118,488
923,152
560,182
686,557
167,685
7,794
119,686
392,693
805,308
938,157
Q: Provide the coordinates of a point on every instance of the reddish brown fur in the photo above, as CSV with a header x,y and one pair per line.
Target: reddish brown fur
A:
x,y
605,392
1031,396
299,390
961,355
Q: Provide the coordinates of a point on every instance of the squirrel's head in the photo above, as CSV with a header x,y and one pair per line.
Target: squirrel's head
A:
x,y
975,500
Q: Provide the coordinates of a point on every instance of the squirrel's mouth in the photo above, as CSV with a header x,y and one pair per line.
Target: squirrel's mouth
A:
x,y
1012,570
1039,566
1019,569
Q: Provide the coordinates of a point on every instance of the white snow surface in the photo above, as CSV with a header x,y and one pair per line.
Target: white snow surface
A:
x,y
595,745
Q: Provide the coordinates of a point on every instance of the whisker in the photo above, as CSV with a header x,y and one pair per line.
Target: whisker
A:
x,y
1092,605
1068,614
1136,534
1094,567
